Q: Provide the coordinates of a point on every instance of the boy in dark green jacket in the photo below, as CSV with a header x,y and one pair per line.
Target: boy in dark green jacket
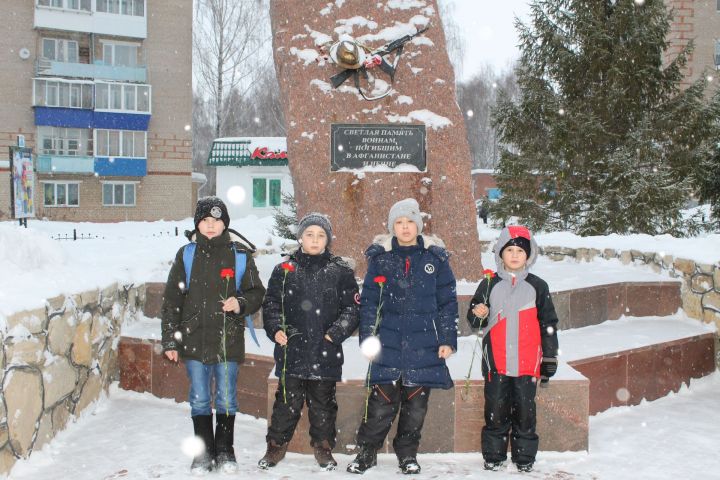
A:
x,y
203,325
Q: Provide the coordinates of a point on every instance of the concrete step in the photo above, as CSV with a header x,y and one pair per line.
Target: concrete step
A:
x,y
615,363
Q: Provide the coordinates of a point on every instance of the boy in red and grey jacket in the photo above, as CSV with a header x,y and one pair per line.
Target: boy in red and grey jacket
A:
x,y
520,346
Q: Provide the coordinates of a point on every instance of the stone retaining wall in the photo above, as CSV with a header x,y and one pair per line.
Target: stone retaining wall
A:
x,y
55,361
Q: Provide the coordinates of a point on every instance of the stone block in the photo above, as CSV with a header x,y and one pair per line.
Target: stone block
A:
x,y
59,380
108,297
90,392
626,257
44,433
711,316
22,389
153,299
608,380
81,350
716,279
641,382
617,300
561,301
35,321
7,459
4,435
609,253
701,283
56,304
60,415
692,304
588,306
685,266
61,330
135,358
698,356
25,351
711,300
669,367
706,268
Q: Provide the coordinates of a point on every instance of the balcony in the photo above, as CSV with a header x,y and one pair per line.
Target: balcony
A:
x,y
65,164
93,71
120,167
90,22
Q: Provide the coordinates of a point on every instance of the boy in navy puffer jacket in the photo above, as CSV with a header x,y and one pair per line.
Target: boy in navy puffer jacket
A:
x,y
417,332
520,346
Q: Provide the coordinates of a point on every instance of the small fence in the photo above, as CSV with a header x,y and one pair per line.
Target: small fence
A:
x,y
91,236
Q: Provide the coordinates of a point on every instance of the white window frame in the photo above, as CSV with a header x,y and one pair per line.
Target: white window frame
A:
x,y
55,184
267,178
117,43
123,107
58,138
55,83
125,183
66,49
66,5
121,142
122,5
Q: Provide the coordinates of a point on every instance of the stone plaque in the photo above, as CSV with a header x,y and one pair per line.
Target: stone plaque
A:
x,y
377,147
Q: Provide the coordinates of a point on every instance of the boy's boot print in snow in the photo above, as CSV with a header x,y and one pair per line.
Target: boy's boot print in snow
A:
x,y
273,455
225,453
366,458
203,462
409,466
323,455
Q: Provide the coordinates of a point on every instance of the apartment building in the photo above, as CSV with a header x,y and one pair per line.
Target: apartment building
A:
x,y
699,21
102,92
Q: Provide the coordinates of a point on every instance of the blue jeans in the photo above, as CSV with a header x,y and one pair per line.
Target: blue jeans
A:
x,y
201,375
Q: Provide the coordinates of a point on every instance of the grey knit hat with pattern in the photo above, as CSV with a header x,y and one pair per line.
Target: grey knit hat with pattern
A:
x,y
315,218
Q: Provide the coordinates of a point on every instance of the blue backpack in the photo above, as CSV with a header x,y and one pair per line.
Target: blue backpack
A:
x,y
240,264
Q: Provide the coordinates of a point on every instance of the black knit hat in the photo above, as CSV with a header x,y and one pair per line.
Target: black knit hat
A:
x,y
211,207
318,219
521,242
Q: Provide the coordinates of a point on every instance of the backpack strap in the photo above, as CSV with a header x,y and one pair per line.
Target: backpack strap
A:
x,y
188,255
240,264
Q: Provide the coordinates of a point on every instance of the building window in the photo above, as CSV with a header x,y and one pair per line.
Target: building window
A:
x,y
120,143
119,194
120,54
57,93
68,4
266,192
60,50
717,53
127,97
65,141
123,7
56,194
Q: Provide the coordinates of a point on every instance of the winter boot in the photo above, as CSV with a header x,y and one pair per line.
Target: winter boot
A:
x,y
409,466
524,467
366,458
323,455
273,455
203,462
225,453
494,466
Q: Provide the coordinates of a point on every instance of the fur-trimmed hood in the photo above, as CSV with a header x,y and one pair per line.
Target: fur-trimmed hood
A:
x,y
383,243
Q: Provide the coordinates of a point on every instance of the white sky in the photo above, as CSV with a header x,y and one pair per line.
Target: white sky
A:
x,y
489,31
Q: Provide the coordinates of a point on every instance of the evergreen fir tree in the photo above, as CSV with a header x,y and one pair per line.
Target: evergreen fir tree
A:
x,y
603,138
285,224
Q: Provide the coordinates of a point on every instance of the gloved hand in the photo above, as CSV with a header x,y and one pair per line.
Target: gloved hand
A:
x,y
548,367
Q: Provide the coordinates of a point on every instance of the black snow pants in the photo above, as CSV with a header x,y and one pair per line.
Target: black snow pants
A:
x,y
383,405
322,410
509,404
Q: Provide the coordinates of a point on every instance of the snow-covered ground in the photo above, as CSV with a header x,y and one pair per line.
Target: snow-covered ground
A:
x,y
36,267
137,436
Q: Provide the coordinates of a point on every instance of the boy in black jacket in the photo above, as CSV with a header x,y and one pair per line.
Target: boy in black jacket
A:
x,y
520,345
203,324
310,308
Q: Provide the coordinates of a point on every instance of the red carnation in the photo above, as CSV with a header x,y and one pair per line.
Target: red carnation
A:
x,y
488,273
227,273
380,279
288,267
